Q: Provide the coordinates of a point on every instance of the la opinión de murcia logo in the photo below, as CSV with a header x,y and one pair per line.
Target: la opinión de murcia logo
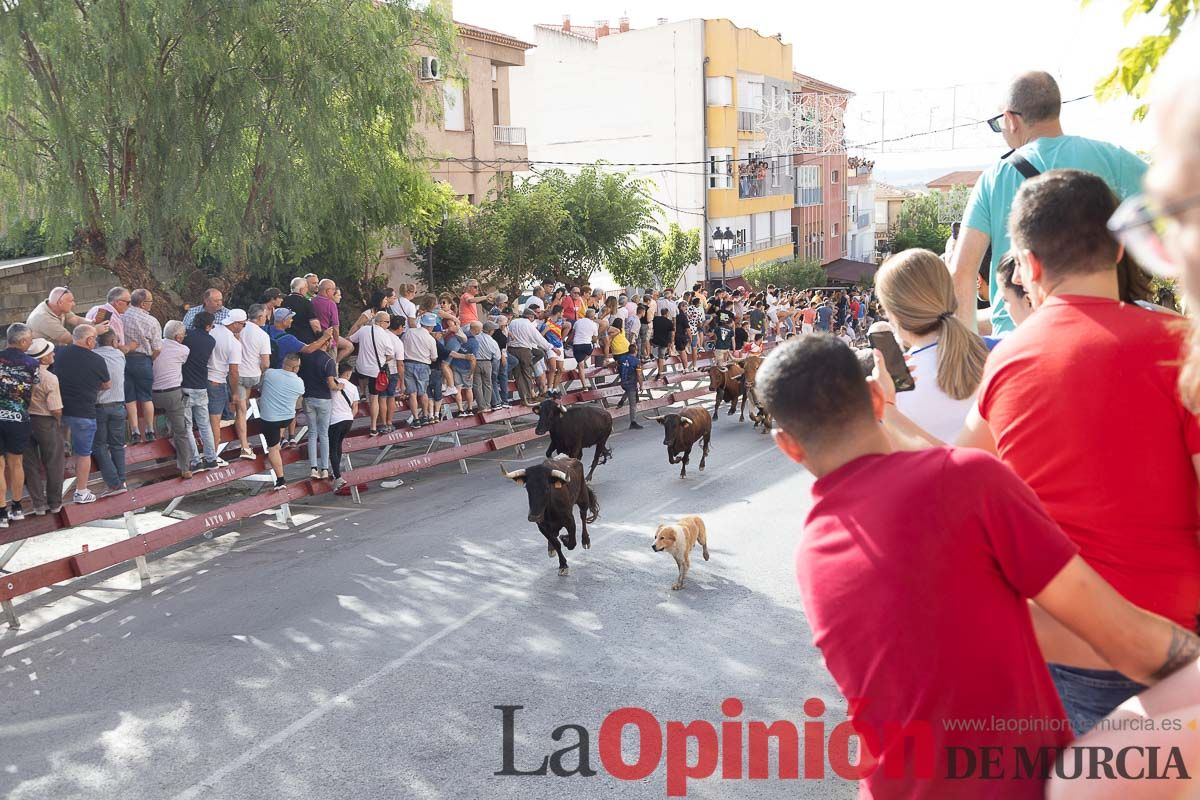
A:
x,y
737,749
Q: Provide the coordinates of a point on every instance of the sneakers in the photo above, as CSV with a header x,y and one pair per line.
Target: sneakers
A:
x,y
122,489
633,426
325,474
372,432
135,437
465,414
214,463
14,512
280,483
416,422
39,512
314,474
185,474
56,509
84,497
198,466
149,436
247,454
339,484
4,521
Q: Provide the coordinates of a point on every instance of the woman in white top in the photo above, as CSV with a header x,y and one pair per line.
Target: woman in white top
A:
x,y
342,408
917,293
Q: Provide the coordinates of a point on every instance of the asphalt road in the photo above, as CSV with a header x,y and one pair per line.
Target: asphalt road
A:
x,y
362,653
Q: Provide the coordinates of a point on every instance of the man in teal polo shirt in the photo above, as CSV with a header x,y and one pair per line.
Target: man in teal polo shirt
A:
x,y
1029,121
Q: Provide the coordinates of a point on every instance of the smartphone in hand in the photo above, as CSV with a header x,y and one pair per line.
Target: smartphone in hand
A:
x,y
893,358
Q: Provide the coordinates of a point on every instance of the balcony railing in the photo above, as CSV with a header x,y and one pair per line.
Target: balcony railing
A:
x,y
781,239
752,187
507,134
748,120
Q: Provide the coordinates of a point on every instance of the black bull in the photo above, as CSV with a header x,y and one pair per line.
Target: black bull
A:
x,y
554,487
681,432
572,429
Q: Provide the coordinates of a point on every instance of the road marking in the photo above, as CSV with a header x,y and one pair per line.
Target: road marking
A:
x,y
748,459
343,698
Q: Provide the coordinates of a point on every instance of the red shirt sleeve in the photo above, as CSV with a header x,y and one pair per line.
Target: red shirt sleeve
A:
x,y
1191,433
1028,546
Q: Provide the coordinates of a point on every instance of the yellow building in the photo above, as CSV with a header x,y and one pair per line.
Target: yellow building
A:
x,y
750,191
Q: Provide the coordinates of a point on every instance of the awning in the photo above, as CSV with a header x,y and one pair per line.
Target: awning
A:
x,y
847,270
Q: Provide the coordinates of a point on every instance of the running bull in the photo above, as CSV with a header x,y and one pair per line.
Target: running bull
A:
x,y
681,432
554,487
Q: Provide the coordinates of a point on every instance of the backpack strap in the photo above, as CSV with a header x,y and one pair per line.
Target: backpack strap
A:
x,y
1022,165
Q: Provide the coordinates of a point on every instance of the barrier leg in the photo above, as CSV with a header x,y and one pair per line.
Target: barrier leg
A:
x,y
520,448
142,570
10,614
11,551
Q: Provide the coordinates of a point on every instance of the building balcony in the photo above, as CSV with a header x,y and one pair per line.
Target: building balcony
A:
x,y
864,220
507,134
759,187
758,245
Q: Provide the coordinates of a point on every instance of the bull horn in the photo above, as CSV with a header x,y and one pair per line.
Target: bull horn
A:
x,y
512,476
654,419
724,369
685,420
557,474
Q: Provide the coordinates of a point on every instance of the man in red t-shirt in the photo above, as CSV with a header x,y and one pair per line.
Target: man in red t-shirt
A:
x,y
1081,402
915,569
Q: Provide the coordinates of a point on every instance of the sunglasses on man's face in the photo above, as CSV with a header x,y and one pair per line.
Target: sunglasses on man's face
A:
x,y
994,122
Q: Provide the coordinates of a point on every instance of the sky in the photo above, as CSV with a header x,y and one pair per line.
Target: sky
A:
x,y
914,66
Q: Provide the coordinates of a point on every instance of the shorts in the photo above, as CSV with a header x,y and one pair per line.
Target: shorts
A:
x,y
245,385
539,368
83,434
416,378
462,379
681,343
218,398
371,386
139,378
695,342
581,351
15,436
661,351
271,430
435,383
393,382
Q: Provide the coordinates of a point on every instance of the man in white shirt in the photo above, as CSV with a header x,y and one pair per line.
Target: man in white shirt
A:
x,y
375,351
523,338
224,368
536,302
420,350
583,341
167,390
404,305
256,357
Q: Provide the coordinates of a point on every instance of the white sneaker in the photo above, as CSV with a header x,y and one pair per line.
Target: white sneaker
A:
x,y
314,474
84,497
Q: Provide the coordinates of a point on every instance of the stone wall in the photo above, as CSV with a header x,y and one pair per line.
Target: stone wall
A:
x,y
26,282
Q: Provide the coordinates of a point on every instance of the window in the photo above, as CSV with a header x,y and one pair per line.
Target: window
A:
x,y
495,106
834,177
455,107
750,95
776,171
808,185
837,229
720,168
720,90
495,73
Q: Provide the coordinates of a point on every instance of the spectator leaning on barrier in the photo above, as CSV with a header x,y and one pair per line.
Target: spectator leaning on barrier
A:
x,y
1118,432
81,376
320,375
980,541
256,357
109,445
213,304
43,458
1029,121
19,374
144,335
167,391
281,388
342,408
200,344
53,318
307,328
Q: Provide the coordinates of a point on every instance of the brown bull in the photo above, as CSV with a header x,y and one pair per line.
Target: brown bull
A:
x,y
729,382
759,415
681,432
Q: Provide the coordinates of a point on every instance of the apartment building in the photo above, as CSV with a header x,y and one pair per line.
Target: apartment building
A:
x,y
685,101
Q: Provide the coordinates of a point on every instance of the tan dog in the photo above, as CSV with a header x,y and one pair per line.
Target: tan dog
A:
x,y
678,540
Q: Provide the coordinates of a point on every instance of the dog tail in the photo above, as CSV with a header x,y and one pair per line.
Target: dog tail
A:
x,y
593,504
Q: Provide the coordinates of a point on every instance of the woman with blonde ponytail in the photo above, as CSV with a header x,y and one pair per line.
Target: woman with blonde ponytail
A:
x,y
917,293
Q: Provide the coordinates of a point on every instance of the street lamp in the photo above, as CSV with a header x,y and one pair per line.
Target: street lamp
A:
x,y
723,244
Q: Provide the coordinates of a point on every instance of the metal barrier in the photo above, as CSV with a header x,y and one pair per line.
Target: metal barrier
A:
x,y
158,491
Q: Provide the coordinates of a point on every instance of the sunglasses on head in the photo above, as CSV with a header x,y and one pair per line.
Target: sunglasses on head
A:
x,y
994,122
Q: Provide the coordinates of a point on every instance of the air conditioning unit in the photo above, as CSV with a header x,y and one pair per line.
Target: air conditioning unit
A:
x,y
431,69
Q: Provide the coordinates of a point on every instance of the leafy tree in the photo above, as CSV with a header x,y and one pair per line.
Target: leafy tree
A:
x,y
656,259
918,225
795,274
252,132
1136,64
